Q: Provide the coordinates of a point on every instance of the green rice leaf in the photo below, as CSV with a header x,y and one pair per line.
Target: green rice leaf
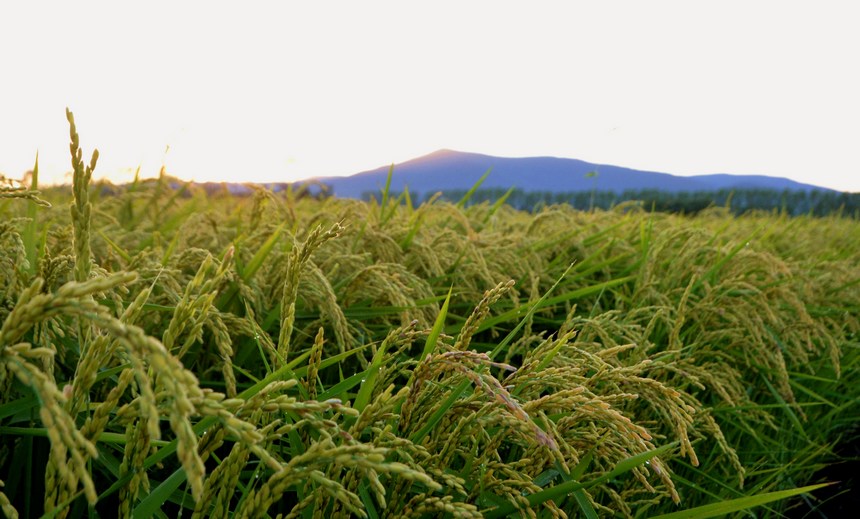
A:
x,y
369,382
385,194
736,505
438,325
367,501
498,205
437,415
152,503
262,253
30,234
116,248
474,188
568,487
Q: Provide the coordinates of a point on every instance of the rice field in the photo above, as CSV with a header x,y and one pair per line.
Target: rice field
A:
x,y
165,351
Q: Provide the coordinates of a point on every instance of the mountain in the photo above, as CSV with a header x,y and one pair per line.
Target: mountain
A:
x,y
451,170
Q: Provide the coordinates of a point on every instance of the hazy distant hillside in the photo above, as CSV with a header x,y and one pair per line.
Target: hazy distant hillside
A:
x,y
449,170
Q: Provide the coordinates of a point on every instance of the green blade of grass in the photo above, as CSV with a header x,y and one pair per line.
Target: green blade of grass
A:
x,y
262,253
498,205
407,199
30,243
430,343
472,190
532,309
152,503
22,405
417,221
400,200
116,248
579,496
437,415
369,382
543,302
792,416
171,247
568,487
367,501
60,508
736,505
41,432
384,203
712,273
341,387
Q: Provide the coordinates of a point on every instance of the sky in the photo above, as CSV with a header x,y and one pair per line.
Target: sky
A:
x,y
279,91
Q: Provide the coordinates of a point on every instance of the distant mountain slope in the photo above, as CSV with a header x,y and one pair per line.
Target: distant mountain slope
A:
x,y
448,170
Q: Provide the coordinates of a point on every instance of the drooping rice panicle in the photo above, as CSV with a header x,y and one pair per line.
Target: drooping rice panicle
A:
x,y
298,257
6,505
138,441
314,364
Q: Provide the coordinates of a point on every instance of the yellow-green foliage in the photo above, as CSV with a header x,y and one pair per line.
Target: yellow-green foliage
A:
x,y
238,357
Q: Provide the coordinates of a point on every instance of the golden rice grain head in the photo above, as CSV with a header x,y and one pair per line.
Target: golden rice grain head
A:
x,y
5,505
480,313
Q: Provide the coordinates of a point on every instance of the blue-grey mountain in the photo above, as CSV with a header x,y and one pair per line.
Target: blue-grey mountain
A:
x,y
453,170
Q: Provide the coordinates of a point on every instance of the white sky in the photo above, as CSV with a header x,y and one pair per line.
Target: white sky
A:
x,y
265,91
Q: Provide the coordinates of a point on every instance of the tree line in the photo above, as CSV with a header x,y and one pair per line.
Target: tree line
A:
x,y
738,201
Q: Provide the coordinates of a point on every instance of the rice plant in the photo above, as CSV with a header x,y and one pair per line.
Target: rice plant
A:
x,y
165,350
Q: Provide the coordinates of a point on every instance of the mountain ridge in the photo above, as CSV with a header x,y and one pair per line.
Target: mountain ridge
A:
x,y
447,169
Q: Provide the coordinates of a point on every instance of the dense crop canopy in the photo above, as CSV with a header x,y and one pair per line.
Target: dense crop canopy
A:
x,y
164,348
